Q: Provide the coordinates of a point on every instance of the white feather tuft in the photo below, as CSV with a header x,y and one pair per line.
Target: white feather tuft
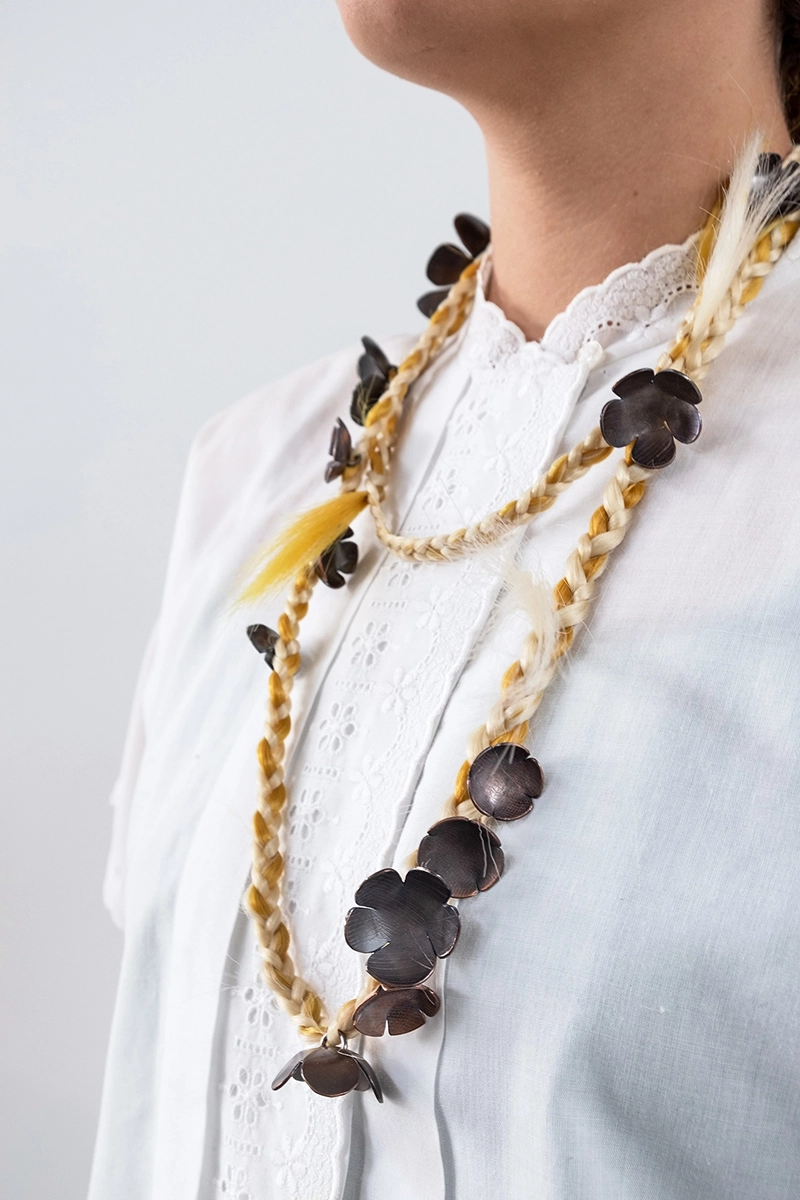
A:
x,y
530,594
743,218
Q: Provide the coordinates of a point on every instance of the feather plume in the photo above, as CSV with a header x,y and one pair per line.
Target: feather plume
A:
x,y
531,594
298,545
528,594
744,217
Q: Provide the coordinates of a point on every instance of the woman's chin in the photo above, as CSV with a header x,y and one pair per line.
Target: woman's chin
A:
x,y
415,39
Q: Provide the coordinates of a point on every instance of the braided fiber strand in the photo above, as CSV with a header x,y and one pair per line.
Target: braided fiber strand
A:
x,y
691,352
263,898
526,680
697,344
264,894
561,473
298,545
381,423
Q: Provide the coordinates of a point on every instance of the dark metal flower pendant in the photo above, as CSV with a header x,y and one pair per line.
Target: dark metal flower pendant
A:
x,y
464,853
448,261
341,452
330,1071
375,373
338,560
652,411
265,640
771,174
504,781
401,1010
403,924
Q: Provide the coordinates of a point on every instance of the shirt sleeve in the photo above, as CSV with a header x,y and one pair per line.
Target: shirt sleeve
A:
x,y
122,792
257,443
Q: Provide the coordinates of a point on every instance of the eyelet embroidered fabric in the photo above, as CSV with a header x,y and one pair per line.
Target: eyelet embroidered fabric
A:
x,y
351,778
628,301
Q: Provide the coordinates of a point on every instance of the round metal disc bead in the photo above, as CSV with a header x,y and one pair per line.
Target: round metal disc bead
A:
x,y
464,853
330,1071
504,781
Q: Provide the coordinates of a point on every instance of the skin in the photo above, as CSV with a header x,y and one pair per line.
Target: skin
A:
x,y
608,124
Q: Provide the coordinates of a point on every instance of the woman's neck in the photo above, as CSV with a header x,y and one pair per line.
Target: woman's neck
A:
x,y
604,151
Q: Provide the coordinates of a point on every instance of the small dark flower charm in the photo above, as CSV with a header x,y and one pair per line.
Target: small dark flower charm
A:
x,y
403,924
769,171
653,410
330,1071
400,1009
338,560
467,855
375,373
504,781
265,640
448,261
341,452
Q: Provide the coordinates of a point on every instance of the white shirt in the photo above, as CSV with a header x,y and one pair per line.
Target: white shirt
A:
x,y
621,1016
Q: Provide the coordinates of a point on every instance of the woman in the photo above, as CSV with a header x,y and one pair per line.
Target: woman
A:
x,y
619,1018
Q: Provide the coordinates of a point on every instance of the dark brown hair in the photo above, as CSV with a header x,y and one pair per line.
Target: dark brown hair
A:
x,y
789,62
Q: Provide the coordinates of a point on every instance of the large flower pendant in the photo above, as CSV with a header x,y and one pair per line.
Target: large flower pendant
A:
x,y
330,1071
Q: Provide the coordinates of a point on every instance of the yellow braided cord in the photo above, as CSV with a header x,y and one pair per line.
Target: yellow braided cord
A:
x,y
524,683
263,898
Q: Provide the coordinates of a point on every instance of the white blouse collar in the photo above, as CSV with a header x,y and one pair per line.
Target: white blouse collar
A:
x,y
630,300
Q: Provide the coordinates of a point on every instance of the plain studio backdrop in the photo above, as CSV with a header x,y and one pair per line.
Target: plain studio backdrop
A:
x,y
195,198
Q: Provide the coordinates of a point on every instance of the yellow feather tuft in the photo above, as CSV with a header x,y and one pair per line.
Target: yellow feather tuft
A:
x,y
299,545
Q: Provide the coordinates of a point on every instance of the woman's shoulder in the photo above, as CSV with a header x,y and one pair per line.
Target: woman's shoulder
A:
x,y
286,422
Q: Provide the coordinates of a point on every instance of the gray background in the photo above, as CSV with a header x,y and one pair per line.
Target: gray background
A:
x,y
194,199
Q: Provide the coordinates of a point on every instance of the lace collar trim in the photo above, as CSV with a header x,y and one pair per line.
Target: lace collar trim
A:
x,y
632,298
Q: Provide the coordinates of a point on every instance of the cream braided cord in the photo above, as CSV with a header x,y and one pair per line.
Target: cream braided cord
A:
x,y
524,683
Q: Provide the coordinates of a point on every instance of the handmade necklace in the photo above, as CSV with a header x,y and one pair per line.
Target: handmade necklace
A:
x,y
406,924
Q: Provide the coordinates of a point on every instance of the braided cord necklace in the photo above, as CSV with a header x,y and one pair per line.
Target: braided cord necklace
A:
x,y
406,924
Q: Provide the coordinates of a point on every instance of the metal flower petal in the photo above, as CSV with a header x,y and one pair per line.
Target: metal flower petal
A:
x,y
330,1071
464,853
448,262
771,176
375,373
654,449
414,920
650,411
338,560
429,303
373,360
369,1078
293,1069
341,451
401,1010
474,233
504,781
265,640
